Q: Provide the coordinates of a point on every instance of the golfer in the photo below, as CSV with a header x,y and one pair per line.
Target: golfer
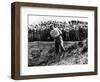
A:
x,y
57,35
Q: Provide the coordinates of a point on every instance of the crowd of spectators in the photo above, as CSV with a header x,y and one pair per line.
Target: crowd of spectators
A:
x,y
73,30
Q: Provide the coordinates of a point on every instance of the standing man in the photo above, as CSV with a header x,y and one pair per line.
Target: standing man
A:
x,y
57,35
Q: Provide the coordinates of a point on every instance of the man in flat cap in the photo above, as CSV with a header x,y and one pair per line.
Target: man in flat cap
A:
x,y
57,35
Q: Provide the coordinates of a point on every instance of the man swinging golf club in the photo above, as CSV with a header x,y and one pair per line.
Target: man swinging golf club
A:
x,y
57,35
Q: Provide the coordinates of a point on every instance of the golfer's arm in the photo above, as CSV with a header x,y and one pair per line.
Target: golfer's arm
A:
x,y
60,32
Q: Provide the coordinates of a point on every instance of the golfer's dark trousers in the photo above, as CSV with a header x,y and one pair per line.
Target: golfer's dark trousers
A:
x,y
58,44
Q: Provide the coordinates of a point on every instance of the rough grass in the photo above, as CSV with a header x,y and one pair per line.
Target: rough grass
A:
x,y
43,53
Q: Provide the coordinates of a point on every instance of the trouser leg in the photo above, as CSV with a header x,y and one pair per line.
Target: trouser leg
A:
x,y
56,46
62,44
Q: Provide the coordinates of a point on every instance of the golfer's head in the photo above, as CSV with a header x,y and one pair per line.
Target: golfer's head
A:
x,y
52,27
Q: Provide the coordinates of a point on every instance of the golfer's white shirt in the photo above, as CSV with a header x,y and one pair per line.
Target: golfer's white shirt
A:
x,y
55,32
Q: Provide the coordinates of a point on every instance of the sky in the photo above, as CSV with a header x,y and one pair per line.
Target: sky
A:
x,y
36,19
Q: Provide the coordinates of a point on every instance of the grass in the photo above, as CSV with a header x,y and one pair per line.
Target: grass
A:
x,y
43,53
